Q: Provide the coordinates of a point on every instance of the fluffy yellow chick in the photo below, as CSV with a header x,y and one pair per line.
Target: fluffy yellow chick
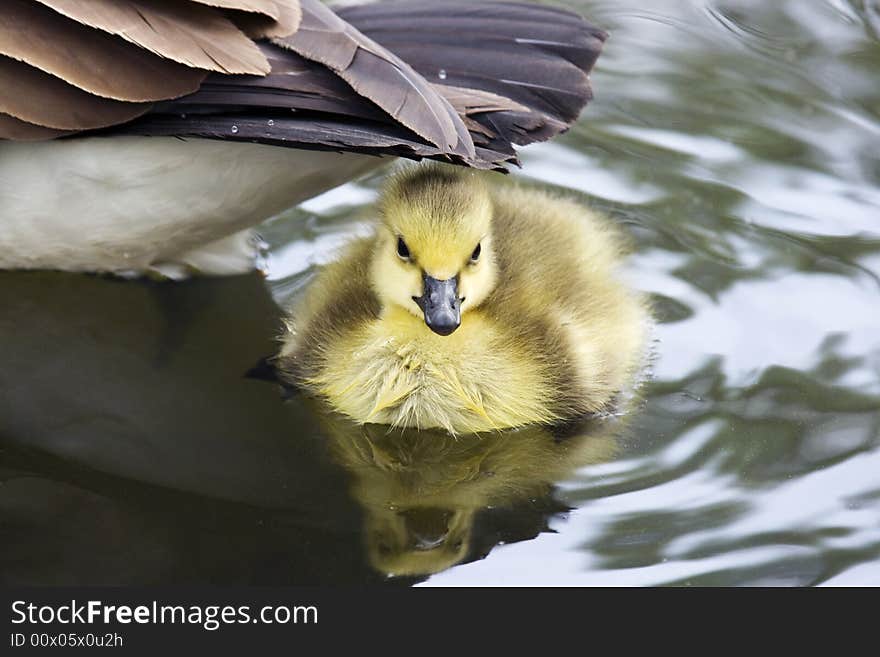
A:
x,y
469,309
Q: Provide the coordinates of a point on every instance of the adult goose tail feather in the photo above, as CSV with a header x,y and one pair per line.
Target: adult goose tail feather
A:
x,y
376,73
536,55
454,81
189,32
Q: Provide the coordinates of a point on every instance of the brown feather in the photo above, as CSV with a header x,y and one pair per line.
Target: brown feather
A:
x,y
31,95
474,101
89,59
17,130
260,26
469,102
191,34
265,7
478,131
377,74
295,83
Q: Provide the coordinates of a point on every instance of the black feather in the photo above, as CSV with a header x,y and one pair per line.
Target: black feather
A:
x,y
535,55
306,131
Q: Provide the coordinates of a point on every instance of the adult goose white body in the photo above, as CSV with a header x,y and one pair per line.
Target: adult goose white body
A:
x,y
136,134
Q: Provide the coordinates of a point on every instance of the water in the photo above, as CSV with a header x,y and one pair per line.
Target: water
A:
x,y
739,142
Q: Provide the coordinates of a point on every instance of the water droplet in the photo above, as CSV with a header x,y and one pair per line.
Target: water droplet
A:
x,y
271,122
234,129
442,74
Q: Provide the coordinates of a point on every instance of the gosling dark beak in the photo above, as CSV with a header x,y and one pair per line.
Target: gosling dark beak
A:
x,y
426,528
441,304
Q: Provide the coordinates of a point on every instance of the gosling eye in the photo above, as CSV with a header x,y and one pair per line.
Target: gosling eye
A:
x,y
402,249
476,254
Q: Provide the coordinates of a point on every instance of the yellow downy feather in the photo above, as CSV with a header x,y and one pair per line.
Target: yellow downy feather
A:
x,y
547,332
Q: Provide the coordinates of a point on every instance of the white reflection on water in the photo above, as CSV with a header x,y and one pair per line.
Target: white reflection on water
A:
x,y
321,241
867,574
701,146
296,257
808,504
789,318
791,198
349,194
553,163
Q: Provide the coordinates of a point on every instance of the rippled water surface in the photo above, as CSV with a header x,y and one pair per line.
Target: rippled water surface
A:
x,y
739,143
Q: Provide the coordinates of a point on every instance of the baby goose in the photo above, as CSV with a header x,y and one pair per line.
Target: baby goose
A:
x,y
470,309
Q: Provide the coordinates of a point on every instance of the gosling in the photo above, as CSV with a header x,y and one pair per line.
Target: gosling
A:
x,y
469,309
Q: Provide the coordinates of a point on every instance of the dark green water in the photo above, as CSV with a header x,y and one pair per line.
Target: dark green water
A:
x,y
739,142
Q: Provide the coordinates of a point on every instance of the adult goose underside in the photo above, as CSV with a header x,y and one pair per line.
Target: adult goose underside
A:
x,y
454,81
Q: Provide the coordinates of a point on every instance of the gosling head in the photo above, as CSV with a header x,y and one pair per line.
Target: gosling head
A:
x,y
434,254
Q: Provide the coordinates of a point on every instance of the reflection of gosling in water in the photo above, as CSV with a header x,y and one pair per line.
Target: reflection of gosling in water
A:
x,y
470,309
421,490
